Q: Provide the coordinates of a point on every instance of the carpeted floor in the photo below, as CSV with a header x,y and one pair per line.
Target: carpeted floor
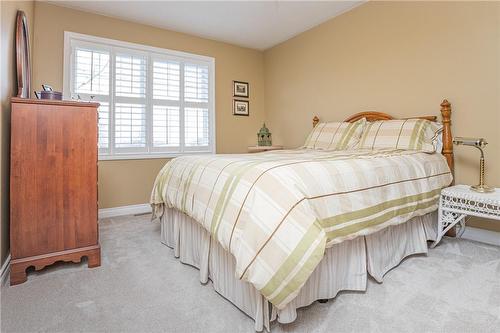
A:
x,y
141,287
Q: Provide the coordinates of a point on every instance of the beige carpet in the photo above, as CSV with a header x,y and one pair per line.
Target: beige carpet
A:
x,y
141,287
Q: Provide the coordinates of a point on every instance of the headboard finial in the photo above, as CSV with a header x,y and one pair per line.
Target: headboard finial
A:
x,y
446,109
315,121
447,137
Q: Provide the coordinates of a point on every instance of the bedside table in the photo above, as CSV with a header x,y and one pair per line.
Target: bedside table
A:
x,y
260,149
459,201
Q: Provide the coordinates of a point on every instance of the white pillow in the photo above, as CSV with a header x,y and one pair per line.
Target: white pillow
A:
x,y
438,142
335,135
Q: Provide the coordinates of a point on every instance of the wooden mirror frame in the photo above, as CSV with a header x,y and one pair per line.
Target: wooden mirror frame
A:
x,y
446,120
23,56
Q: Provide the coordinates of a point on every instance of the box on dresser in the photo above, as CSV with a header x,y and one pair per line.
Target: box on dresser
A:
x,y
53,184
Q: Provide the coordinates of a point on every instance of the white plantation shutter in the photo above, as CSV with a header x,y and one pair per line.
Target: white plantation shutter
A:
x,y
104,125
166,80
166,126
154,102
91,81
91,72
166,105
130,126
196,127
196,116
130,75
130,102
196,83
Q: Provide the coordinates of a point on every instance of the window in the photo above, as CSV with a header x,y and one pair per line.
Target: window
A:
x,y
154,102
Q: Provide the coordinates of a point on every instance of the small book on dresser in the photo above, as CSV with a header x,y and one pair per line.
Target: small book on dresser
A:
x,y
53,184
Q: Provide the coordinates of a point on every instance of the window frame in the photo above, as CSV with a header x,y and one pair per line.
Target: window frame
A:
x,y
153,53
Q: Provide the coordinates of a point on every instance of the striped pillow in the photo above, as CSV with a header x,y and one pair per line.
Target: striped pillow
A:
x,y
335,136
409,134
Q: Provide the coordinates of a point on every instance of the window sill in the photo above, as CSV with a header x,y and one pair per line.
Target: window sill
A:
x,y
150,156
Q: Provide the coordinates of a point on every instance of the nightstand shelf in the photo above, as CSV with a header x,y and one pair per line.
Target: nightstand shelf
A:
x,y
459,201
260,149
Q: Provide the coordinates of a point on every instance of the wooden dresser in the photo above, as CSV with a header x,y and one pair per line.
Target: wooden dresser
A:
x,y
53,184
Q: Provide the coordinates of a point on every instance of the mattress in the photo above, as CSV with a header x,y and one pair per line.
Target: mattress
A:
x,y
345,266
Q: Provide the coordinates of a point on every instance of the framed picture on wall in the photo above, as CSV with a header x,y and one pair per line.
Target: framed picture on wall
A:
x,y
240,89
240,108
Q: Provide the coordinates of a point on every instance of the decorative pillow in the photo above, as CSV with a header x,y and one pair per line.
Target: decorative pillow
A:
x,y
408,134
335,136
438,142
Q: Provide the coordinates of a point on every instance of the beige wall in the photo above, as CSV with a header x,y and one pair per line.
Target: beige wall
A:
x,y
398,58
129,182
8,88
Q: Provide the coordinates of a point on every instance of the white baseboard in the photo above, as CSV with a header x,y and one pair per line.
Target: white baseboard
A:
x,y
124,210
4,271
481,235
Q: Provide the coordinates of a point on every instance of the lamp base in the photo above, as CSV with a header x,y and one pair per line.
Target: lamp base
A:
x,y
482,188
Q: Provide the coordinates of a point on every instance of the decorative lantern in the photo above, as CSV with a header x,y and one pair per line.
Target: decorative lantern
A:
x,y
264,136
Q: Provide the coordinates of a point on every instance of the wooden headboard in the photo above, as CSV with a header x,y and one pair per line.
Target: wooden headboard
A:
x,y
446,120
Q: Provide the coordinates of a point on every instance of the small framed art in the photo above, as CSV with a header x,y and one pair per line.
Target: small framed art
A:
x,y
240,108
240,89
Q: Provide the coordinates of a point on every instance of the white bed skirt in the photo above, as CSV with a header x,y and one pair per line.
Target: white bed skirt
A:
x,y
344,267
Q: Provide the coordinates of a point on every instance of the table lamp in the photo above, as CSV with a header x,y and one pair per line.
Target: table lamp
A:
x,y
479,143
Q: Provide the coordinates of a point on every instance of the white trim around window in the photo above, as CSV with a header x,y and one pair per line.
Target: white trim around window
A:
x,y
184,107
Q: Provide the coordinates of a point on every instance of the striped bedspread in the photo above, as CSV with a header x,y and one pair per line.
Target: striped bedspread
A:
x,y
276,212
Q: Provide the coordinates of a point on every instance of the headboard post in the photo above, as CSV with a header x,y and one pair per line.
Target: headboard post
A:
x,y
447,137
315,121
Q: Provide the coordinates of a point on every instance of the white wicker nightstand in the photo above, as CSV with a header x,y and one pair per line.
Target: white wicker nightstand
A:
x,y
459,201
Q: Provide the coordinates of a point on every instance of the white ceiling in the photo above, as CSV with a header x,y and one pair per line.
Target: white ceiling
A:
x,y
258,25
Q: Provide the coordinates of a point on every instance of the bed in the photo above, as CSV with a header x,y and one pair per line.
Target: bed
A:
x,y
279,230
